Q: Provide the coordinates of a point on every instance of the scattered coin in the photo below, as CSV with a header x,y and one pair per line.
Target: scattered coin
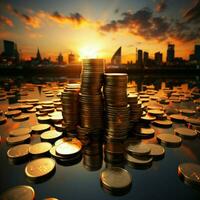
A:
x,y
187,112
20,131
138,149
68,149
13,113
18,153
157,151
40,169
44,119
178,118
148,118
18,139
155,112
146,132
163,123
190,173
116,179
20,118
195,121
139,161
39,128
22,192
185,132
40,149
50,136
169,140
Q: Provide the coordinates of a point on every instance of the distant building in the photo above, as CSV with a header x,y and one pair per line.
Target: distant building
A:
x,y
158,58
116,59
139,58
197,52
71,58
10,53
170,53
60,59
191,57
179,61
146,58
38,56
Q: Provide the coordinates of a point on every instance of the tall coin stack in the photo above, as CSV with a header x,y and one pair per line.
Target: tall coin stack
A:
x,y
90,97
117,111
70,103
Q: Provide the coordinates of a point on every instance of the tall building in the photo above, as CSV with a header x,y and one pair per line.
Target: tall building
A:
x,y
60,59
71,58
158,58
38,56
10,51
146,58
116,58
139,57
197,52
170,53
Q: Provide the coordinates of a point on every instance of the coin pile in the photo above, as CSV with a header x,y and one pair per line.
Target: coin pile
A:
x,y
70,111
91,104
117,111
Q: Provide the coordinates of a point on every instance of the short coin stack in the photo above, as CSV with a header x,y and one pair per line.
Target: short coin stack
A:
x,y
117,112
70,111
91,104
66,150
135,108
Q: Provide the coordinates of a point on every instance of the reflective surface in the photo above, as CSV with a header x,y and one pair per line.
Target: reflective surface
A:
x,y
82,180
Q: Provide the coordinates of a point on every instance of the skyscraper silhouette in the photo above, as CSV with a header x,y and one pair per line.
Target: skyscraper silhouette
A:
x,y
116,59
170,53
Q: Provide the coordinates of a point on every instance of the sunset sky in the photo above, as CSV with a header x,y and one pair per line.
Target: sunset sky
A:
x,y
100,26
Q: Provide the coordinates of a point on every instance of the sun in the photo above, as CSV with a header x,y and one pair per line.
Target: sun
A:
x,y
89,51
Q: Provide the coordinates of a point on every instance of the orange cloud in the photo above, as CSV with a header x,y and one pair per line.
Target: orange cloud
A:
x,y
32,21
73,18
6,20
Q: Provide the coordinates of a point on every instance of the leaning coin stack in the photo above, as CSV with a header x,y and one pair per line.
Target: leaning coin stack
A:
x,y
117,111
91,105
70,111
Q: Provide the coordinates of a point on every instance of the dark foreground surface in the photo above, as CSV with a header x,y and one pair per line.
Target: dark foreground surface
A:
x,y
76,181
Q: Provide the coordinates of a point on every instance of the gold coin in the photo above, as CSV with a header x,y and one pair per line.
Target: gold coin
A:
x,y
185,132
190,173
40,168
22,192
39,148
39,128
20,131
18,151
115,178
18,139
169,140
67,149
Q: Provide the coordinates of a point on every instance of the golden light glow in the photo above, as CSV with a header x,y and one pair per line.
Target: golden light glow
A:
x,y
89,51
